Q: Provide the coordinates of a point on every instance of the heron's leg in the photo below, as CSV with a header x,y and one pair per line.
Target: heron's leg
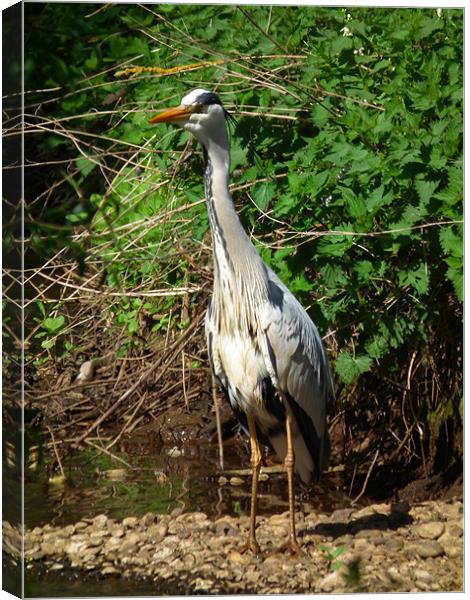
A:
x,y
289,463
252,544
215,400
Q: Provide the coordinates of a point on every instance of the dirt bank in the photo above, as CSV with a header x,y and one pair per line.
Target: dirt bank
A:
x,y
380,548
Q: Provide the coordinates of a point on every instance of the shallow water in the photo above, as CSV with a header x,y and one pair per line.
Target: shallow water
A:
x,y
159,483
188,480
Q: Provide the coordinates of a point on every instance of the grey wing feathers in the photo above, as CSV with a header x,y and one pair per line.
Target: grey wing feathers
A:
x,y
300,365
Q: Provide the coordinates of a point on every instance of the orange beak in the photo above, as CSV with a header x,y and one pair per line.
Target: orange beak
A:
x,y
173,114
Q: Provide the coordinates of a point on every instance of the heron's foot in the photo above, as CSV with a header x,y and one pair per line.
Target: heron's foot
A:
x,y
291,546
251,546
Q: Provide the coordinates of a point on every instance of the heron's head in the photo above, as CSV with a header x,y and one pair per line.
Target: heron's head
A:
x,y
200,112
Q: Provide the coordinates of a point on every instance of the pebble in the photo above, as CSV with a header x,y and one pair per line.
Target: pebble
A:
x,y
190,548
110,570
156,533
429,549
100,521
149,519
422,575
236,481
452,547
430,531
238,558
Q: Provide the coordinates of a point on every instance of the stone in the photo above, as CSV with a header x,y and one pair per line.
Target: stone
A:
x,y
117,531
422,575
100,521
236,481
331,582
341,515
451,512
47,548
429,549
237,558
109,570
156,533
430,531
149,519
129,522
453,547
454,529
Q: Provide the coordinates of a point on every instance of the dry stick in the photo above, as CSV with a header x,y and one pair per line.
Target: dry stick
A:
x,y
169,361
145,375
129,420
69,388
54,445
106,451
366,479
218,423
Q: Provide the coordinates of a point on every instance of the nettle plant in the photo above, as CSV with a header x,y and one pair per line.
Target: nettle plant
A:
x,y
347,162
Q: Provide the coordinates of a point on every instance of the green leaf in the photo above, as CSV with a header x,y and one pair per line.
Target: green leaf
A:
x,y
350,367
334,245
354,204
53,324
47,344
364,269
451,242
425,189
263,193
418,279
455,276
453,192
85,165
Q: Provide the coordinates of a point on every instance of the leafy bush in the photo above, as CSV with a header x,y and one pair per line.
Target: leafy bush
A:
x,y
347,162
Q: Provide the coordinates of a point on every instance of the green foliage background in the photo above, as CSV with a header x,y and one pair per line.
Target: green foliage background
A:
x,y
347,162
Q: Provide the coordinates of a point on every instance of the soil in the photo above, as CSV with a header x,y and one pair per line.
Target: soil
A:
x,y
380,548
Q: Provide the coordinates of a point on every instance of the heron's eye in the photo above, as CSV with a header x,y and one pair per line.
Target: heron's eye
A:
x,y
199,108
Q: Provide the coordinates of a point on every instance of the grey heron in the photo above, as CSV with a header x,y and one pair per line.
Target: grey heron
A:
x,y
265,351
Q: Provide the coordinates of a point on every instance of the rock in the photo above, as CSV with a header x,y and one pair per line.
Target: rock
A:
x,y
452,547
430,531
393,544
454,530
422,575
109,570
149,519
156,533
237,558
341,515
129,522
331,582
236,481
47,548
394,575
117,531
429,549
222,528
100,521
56,567
451,512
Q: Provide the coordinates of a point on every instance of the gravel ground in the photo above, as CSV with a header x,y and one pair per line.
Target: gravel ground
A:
x,y
381,548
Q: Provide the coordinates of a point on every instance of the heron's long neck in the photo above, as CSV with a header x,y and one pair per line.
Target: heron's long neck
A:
x,y
236,261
